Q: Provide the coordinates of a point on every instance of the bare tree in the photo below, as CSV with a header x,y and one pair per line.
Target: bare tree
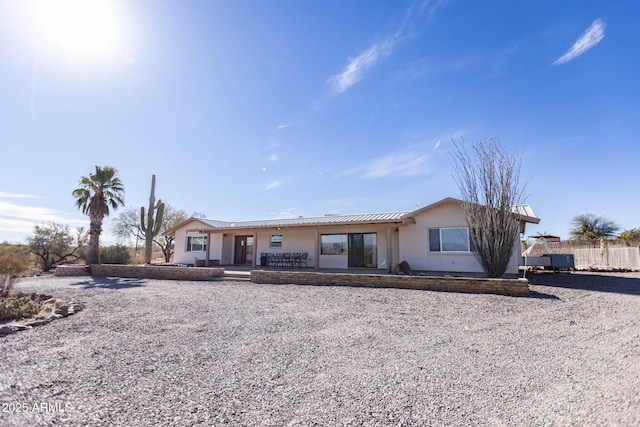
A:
x,y
172,217
488,177
127,225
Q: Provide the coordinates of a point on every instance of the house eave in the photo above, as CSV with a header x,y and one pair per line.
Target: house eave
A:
x,y
211,230
529,219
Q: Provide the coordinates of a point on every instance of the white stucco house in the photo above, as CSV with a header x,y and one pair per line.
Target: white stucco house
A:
x,y
432,238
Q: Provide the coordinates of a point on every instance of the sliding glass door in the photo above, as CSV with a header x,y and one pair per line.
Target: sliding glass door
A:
x,y
363,250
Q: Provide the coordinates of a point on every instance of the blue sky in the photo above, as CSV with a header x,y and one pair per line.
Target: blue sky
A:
x,y
265,109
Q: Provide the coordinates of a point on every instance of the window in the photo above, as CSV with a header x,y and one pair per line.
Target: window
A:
x,y
276,241
333,244
196,243
450,240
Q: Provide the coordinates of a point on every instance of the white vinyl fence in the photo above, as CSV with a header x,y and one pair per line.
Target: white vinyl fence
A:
x,y
612,257
594,256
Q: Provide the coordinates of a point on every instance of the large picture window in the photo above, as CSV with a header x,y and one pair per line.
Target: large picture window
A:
x,y
455,239
196,243
333,244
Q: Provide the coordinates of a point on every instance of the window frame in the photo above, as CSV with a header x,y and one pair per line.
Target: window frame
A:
x,y
344,245
190,245
441,242
277,243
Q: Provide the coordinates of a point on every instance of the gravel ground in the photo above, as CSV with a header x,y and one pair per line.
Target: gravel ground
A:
x,y
154,353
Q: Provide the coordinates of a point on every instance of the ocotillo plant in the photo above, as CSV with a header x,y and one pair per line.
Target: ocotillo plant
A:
x,y
152,227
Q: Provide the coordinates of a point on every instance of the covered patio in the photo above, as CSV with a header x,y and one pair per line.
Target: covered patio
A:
x,y
329,242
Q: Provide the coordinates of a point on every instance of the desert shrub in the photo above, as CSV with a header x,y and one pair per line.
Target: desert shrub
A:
x,y
54,244
17,308
11,266
116,254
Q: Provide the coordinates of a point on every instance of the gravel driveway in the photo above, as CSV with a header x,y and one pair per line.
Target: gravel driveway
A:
x,y
153,353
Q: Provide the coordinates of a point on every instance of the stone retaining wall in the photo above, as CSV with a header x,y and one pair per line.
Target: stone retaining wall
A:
x,y
514,287
162,272
72,270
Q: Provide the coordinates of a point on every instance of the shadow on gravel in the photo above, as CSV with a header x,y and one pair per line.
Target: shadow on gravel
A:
x,y
541,295
589,282
110,283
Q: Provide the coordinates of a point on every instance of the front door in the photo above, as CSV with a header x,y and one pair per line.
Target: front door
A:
x,y
243,250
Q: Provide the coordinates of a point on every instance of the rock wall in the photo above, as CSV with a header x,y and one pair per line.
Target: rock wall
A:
x,y
514,287
162,272
72,270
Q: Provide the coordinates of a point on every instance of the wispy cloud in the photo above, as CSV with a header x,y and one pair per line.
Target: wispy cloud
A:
x,y
407,162
591,37
413,159
282,126
4,195
490,64
273,158
358,66
286,213
35,213
272,185
16,225
20,219
430,6
402,164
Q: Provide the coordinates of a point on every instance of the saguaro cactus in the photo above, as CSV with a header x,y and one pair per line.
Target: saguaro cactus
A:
x,y
152,227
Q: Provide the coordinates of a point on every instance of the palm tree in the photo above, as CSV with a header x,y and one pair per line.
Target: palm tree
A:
x,y
97,193
592,227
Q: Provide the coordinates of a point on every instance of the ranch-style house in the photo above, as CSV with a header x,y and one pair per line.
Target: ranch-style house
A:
x,y
433,238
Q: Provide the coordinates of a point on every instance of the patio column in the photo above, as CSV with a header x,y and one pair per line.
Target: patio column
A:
x,y
316,259
389,250
255,249
206,262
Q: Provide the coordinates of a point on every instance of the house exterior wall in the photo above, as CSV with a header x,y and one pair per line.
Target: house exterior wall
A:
x,y
296,240
182,256
304,240
414,243
226,248
395,245
409,243
216,247
341,261
301,239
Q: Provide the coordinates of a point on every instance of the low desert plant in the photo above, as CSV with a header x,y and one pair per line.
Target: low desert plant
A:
x,y
116,254
17,308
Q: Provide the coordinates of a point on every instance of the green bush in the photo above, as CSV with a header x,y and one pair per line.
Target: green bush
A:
x,y
17,308
116,254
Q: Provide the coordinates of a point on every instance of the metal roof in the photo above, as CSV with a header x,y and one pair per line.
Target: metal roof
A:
x,y
524,211
389,217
